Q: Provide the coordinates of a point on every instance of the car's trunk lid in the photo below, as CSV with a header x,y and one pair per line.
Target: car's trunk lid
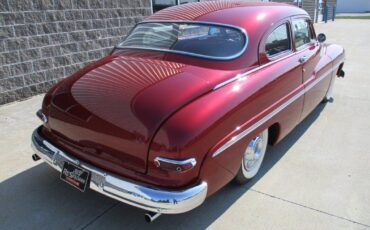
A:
x,y
108,114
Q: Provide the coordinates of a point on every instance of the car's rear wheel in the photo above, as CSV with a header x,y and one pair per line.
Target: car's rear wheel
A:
x,y
252,158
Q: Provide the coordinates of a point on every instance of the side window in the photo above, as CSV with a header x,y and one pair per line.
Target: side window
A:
x,y
161,4
302,32
278,41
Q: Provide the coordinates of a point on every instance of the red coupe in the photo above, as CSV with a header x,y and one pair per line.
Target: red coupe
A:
x,y
187,102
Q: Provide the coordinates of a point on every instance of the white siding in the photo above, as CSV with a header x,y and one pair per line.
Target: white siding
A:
x,y
353,6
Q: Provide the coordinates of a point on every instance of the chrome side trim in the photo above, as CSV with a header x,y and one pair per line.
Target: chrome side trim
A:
x,y
240,29
241,75
263,120
135,194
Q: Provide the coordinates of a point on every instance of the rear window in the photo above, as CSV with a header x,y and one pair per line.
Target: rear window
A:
x,y
212,41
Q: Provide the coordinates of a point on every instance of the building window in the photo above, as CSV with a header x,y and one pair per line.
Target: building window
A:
x,y
187,1
298,3
161,4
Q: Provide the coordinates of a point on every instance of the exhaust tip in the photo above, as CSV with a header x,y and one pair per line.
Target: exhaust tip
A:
x,y
151,216
147,218
35,157
341,73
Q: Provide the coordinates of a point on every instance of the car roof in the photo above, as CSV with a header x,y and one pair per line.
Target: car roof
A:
x,y
236,13
255,18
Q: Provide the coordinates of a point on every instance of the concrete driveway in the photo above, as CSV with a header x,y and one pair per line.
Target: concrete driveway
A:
x,y
316,178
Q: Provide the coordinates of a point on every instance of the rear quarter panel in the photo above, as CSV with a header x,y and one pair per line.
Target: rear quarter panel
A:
x,y
202,126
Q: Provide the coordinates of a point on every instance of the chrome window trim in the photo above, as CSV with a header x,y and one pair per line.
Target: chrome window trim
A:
x,y
271,57
305,46
227,58
267,117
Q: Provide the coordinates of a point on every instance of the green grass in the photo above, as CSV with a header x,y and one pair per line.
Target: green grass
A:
x,y
353,17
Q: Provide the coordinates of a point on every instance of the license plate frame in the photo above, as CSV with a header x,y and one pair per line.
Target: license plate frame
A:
x,y
75,176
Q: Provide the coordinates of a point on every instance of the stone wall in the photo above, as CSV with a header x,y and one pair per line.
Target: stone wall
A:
x,y
42,41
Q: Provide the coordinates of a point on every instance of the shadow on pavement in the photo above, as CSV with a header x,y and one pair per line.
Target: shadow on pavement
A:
x,y
38,199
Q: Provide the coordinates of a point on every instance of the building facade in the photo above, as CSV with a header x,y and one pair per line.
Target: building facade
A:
x,y
315,8
43,41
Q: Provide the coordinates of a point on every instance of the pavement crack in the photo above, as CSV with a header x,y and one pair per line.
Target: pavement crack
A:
x,y
99,215
310,208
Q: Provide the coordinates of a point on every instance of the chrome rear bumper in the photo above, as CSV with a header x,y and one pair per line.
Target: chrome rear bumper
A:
x,y
116,187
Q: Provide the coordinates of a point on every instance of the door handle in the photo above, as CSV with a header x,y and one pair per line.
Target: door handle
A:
x,y
303,59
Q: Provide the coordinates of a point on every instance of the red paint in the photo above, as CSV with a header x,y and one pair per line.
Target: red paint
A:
x,y
133,105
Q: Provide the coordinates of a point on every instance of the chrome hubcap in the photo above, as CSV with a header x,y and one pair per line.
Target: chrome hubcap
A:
x,y
253,153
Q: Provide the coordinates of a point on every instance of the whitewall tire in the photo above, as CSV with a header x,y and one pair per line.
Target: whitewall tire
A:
x,y
252,158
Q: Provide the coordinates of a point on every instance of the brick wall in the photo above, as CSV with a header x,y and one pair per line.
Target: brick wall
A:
x,y
42,41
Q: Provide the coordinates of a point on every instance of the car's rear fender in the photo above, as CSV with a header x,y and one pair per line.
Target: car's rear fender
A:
x,y
204,125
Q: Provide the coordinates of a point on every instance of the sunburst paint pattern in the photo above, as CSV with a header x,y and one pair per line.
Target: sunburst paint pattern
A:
x,y
189,12
108,91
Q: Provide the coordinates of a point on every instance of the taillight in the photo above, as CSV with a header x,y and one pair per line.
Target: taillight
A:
x,y
175,165
42,116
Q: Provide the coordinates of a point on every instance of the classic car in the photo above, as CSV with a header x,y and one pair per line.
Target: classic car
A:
x,y
186,103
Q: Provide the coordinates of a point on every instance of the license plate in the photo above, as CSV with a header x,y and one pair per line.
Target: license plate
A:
x,y
75,176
